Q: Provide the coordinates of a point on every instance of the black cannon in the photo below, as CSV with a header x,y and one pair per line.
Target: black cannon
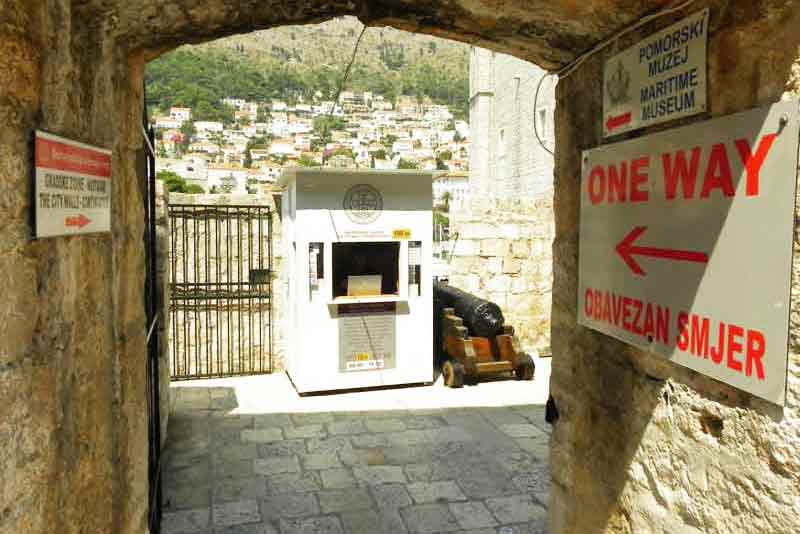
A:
x,y
471,335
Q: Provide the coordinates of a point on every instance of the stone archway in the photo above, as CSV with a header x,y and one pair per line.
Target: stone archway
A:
x,y
630,452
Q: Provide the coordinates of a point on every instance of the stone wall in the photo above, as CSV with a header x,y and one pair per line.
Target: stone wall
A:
x,y
504,253
233,333
641,444
73,423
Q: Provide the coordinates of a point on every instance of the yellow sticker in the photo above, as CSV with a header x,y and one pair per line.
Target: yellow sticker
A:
x,y
401,233
361,357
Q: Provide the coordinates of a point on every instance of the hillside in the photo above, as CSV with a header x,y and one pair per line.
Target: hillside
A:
x,y
298,61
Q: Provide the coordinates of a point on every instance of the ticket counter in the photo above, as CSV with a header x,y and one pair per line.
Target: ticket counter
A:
x,y
358,247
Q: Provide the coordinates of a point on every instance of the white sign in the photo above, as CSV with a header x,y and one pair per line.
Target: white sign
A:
x,y
686,245
659,79
73,187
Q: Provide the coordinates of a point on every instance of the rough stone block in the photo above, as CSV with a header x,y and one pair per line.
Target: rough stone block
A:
x,y
385,425
472,514
443,491
511,265
313,525
337,478
186,521
237,489
322,460
429,519
524,430
379,474
290,505
274,466
391,496
334,444
293,483
339,500
261,435
305,431
372,522
516,509
236,513
346,428
286,447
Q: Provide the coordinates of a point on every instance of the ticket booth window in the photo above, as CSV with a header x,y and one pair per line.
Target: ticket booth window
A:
x,y
365,269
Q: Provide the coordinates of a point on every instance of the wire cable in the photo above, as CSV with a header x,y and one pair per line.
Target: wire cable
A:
x,y
570,67
342,83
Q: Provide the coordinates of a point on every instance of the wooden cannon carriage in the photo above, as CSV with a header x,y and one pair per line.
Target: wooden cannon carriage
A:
x,y
491,350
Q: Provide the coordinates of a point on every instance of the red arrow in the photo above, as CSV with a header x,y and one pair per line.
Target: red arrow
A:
x,y
80,221
626,251
615,122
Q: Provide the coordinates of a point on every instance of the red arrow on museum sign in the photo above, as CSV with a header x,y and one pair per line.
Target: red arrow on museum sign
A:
x,y
627,250
615,122
80,221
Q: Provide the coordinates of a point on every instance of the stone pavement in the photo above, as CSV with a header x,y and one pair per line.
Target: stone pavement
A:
x,y
469,469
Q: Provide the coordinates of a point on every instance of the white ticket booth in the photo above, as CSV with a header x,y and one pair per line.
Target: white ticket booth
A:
x,y
358,283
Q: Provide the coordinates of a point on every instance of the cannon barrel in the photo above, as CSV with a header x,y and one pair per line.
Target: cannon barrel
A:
x,y
482,318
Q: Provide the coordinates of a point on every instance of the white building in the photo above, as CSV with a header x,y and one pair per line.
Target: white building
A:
x,y
181,114
208,127
165,122
455,185
507,161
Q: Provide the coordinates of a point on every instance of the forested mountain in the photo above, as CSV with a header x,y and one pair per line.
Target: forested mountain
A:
x,y
298,61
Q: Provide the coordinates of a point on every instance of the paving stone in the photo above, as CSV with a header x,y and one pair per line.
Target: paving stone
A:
x,y
337,478
391,496
423,422
408,455
235,489
538,447
526,430
518,461
250,528
379,474
334,444
366,441
503,416
320,460
429,519
472,515
197,474
236,513
516,509
290,505
293,483
286,447
277,465
339,428
339,500
362,457
232,453
427,472
305,431
385,425
443,491
312,418
268,420
185,496
537,481
372,522
313,525
233,469
186,521
533,527
261,435
482,483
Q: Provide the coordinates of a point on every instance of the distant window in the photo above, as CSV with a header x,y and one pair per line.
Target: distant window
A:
x,y
541,127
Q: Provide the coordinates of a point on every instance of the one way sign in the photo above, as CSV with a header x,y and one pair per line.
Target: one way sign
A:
x,y
686,245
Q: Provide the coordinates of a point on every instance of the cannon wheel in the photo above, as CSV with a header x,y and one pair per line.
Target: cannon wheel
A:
x,y
524,371
453,373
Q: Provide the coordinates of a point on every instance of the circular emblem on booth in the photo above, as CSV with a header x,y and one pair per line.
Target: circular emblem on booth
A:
x,y
363,204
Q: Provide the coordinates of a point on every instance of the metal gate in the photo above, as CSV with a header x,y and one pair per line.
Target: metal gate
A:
x,y
220,290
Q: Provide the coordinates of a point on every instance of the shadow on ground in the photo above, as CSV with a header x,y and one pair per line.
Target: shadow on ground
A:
x,y
476,470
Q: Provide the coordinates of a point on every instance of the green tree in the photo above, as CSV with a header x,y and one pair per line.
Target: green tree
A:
x,y
172,181
187,133
194,189
307,161
379,154
407,164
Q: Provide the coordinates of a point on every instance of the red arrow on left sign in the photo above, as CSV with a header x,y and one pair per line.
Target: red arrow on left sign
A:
x,y
627,250
614,122
80,221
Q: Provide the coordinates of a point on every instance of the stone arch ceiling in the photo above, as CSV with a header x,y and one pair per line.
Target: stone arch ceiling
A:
x,y
546,32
